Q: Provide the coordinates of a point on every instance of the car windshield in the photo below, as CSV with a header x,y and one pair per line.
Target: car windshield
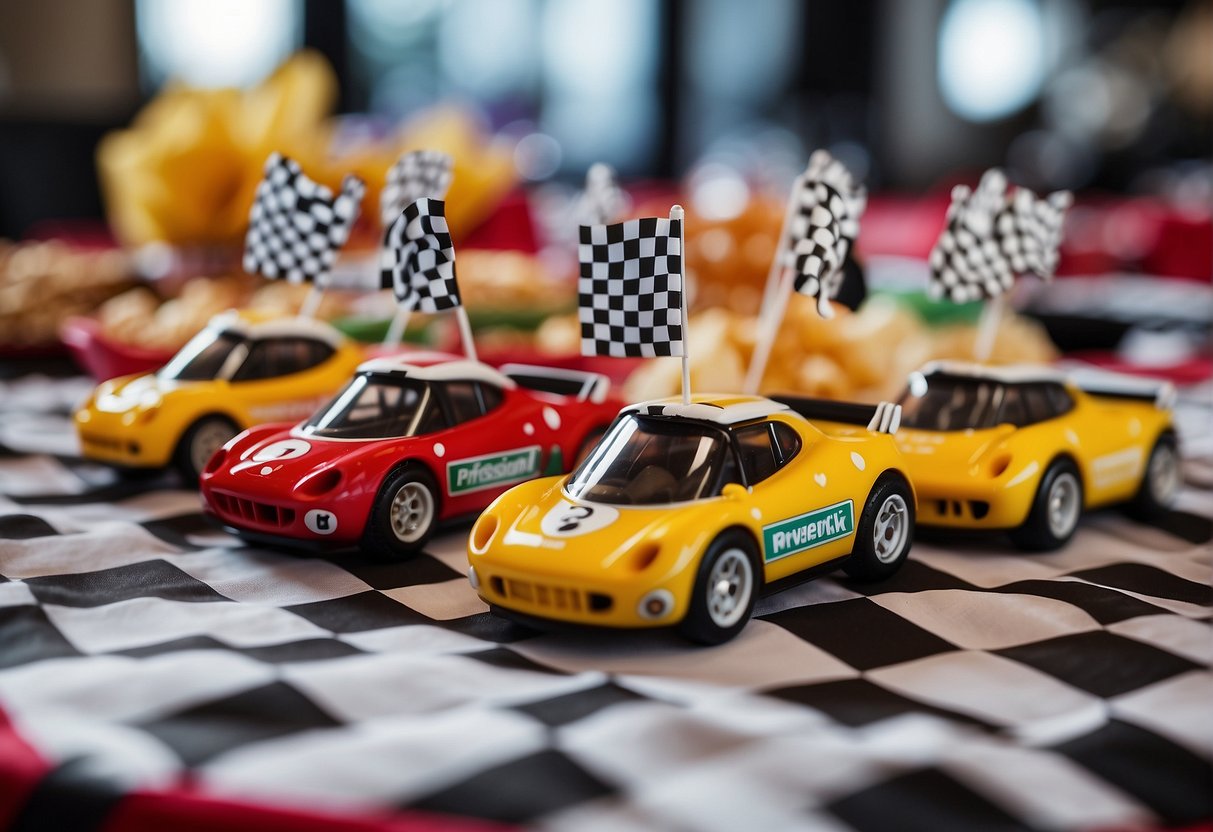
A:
x,y
648,461
203,357
371,407
939,402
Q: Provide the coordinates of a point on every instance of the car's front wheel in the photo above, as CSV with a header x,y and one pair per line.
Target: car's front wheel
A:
x,y
199,443
404,516
885,531
1055,512
726,588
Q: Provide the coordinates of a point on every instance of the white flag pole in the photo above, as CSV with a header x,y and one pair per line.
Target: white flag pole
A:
x,y
311,303
677,214
768,328
775,272
395,330
465,332
987,328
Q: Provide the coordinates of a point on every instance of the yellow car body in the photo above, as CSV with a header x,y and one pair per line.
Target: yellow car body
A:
x,y
140,421
977,459
540,552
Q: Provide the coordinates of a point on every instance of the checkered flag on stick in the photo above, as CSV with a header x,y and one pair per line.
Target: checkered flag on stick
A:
x,y
417,174
991,237
823,228
602,201
418,259
296,225
630,293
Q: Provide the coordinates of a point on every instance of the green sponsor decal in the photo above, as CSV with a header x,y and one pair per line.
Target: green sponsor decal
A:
x,y
479,472
787,537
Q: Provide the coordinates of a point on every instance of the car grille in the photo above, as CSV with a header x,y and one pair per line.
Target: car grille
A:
x,y
101,441
264,514
541,595
978,509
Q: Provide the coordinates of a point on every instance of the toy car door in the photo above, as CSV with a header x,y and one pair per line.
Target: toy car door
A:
x,y
276,381
487,449
804,522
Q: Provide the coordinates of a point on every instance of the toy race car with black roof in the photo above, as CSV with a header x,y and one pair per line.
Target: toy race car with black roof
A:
x,y
1028,449
682,513
242,369
412,441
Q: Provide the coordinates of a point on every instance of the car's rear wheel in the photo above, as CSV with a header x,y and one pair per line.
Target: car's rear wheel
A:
x,y
1161,481
885,532
404,516
199,443
726,588
1055,512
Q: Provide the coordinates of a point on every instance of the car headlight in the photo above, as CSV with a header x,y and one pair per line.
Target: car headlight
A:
x,y
642,556
215,462
319,483
999,464
656,604
482,532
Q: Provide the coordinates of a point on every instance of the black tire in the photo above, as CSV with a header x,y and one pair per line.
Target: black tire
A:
x,y
1056,510
885,531
199,443
735,553
404,516
1160,481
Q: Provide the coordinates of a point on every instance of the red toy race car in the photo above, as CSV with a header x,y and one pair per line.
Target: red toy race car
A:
x,y
411,441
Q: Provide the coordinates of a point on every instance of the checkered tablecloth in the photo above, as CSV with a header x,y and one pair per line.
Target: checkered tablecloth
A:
x,y
145,652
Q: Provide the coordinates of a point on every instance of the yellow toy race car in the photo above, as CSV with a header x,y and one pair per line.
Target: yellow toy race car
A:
x,y
683,512
1028,449
240,370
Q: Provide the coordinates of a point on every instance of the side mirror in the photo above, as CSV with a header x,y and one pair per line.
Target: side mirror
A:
x,y
734,491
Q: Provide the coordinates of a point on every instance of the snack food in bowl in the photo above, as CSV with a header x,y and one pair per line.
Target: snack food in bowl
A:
x,y
44,283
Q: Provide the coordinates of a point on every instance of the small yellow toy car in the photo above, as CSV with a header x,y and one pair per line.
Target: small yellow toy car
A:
x,y
683,512
241,370
1028,449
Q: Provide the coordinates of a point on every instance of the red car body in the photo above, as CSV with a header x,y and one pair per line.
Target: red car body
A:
x,y
308,484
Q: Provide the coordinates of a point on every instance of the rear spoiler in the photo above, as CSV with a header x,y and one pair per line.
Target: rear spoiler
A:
x,y
578,384
879,418
1107,385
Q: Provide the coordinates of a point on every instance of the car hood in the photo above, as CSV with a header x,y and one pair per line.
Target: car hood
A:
x,y
130,392
288,456
544,524
947,452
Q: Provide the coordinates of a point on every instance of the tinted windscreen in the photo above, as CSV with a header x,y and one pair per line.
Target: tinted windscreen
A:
x,y
948,403
370,407
644,461
202,358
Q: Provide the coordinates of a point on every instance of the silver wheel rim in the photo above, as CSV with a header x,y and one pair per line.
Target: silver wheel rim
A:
x,y
412,511
1063,506
730,584
1163,476
210,437
891,529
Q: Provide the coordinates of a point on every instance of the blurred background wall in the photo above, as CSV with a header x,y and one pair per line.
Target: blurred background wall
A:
x,y
1092,94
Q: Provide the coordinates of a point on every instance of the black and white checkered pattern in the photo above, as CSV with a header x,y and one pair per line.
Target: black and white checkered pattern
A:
x,y
630,289
296,226
602,201
991,237
418,259
824,225
980,688
417,174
